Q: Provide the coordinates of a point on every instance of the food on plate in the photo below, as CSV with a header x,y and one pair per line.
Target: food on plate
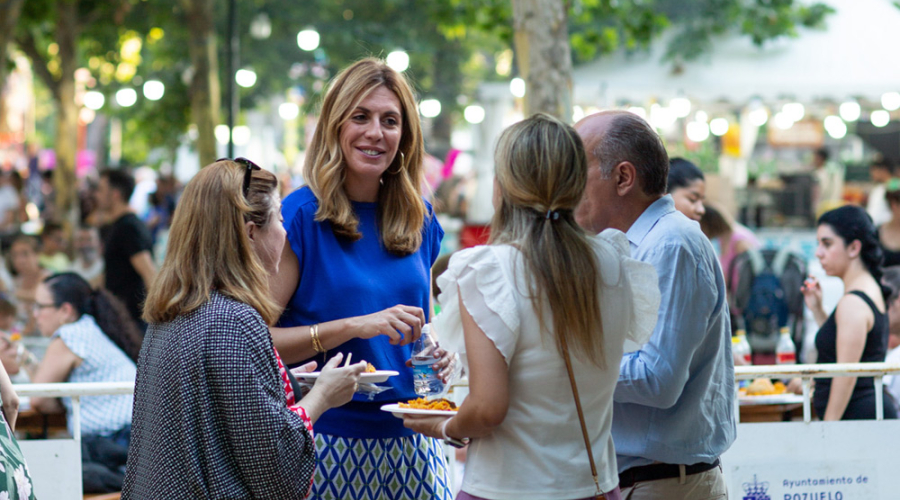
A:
x,y
370,368
765,387
422,404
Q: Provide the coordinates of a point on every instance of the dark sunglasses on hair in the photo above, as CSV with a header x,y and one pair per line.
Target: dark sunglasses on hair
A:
x,y
249,165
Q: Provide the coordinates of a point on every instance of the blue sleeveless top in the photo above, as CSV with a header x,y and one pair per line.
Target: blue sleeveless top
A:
x,y
341,279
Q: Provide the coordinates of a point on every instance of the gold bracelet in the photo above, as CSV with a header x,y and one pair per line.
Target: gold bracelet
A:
x,y
314,334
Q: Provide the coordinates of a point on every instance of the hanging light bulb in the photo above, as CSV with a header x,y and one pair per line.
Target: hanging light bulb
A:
x,y
794,111
758,117
681,106
474,114
718,126
697,131
835,127
880,118
850,111
890,101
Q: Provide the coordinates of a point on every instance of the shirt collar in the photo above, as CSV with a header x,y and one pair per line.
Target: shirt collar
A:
x,y
648,219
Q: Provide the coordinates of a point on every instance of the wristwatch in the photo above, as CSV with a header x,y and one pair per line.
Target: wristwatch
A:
x,y
456,443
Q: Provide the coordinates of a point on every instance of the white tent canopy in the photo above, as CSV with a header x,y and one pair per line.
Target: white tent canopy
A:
x,y
856,55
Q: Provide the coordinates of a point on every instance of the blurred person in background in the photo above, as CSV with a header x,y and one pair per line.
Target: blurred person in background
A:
x,y
127,244
881,171
88,259
91,214
687,186
33,183
450,197
12,354
891,279
355,278
216,413
162,206
829,175
9,356
889,233
93,340
47,208
734,237
7,315
27,273
7,286
53,256
857,330
9,209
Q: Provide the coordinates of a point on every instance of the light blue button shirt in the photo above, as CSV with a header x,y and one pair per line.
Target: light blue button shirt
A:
x,y
674,402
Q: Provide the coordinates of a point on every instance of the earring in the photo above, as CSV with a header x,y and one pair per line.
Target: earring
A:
x,y
402,164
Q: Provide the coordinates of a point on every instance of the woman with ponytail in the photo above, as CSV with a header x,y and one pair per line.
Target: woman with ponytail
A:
x,y
94,340
857,330
513,306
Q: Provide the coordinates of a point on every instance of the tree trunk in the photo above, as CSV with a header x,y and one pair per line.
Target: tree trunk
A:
x,y
9,15
205,90
66,110
542,51
447,85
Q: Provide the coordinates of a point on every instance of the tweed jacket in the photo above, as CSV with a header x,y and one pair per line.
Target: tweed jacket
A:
x,y
210,414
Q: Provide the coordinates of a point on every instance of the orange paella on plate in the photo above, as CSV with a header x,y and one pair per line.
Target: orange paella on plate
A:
x,y
421,404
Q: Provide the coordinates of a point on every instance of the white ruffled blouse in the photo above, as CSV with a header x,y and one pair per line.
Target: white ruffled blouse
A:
x,y
538,451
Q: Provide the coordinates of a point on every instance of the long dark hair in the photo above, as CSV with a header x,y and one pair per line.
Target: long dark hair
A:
x,y
110,313
853,223
682,173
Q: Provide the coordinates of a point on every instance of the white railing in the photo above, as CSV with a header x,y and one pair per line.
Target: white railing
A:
x,y
808,372
75,391
55,464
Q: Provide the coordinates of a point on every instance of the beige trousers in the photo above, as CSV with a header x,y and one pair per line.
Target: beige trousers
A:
x,y
709,485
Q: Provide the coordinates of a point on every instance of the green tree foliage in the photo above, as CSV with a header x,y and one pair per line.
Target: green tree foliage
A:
x,y
698,23
598,27
453,45
9,16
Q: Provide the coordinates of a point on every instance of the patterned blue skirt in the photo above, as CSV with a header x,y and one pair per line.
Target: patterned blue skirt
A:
x,y
405,468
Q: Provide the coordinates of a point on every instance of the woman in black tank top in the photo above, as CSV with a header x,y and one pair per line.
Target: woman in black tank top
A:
x,y
857,330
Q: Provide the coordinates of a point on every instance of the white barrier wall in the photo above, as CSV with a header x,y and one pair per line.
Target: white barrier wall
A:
x,y
851,460
814,460
55,464
55,467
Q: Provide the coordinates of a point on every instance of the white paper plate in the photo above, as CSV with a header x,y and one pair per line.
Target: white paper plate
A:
x,y
375,377
399,412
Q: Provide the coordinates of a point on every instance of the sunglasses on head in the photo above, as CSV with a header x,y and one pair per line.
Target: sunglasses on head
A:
x,y
248,173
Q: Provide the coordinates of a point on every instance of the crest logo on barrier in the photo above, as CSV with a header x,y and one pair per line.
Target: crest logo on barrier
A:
x,y
756,490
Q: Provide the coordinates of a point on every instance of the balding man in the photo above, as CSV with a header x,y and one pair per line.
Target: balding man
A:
x,y
674,402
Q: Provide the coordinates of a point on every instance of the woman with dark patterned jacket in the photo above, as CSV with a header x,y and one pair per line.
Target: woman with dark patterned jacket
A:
x,y
215,415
